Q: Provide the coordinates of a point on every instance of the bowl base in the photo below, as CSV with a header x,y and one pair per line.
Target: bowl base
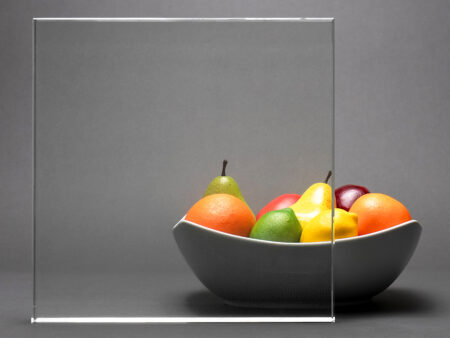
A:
x,y
352,302
294,305
276,305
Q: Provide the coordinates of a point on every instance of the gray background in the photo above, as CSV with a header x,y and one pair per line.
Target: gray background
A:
x,y
392,116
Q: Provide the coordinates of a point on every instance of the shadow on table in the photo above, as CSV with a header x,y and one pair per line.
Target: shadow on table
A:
x,y
392,302
203,303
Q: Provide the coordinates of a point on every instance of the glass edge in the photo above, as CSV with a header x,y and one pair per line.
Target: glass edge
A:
x,y
168,320
181,19
33,174
333,167
34,318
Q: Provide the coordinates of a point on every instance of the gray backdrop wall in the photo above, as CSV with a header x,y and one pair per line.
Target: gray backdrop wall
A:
x,y
392,102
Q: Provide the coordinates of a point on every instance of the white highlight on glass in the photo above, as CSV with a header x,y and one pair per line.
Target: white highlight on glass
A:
x,y
143,320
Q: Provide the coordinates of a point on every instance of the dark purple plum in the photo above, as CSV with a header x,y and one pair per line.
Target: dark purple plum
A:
x,y
348,194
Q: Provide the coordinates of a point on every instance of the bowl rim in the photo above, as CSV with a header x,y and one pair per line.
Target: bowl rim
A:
x,y
297,244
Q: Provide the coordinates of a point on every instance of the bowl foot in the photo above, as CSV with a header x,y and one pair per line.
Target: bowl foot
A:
x,y
352,302
276,305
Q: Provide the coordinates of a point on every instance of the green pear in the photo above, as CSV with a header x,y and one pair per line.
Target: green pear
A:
x,y
278,225
224,185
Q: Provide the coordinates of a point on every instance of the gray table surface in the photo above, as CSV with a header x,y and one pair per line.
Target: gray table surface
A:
x,y
417,304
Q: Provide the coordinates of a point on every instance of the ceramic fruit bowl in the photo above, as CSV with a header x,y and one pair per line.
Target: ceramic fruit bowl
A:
x,y
250,272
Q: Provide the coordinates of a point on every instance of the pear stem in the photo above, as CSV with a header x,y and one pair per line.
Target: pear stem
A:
x,y
224,165
328,177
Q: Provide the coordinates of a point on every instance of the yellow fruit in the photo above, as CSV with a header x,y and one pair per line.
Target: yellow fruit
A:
x,y
316,199
319,228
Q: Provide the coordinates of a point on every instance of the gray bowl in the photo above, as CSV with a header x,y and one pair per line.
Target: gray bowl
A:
x,y
250,272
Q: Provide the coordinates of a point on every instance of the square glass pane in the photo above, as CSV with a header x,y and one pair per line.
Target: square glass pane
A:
x,y
133,118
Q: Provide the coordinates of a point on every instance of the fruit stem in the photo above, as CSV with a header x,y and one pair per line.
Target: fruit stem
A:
x,y
224,165
328,177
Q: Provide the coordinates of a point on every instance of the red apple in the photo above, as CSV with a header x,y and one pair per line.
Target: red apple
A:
x,y
348,194
278,203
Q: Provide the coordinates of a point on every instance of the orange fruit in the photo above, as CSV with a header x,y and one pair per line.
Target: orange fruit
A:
x,y
377,212
223,212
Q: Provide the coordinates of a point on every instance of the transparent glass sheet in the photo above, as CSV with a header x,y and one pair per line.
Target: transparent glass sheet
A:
x,y
133,118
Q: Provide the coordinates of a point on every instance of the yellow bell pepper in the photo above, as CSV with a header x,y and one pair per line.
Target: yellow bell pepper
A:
x,y
345,224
